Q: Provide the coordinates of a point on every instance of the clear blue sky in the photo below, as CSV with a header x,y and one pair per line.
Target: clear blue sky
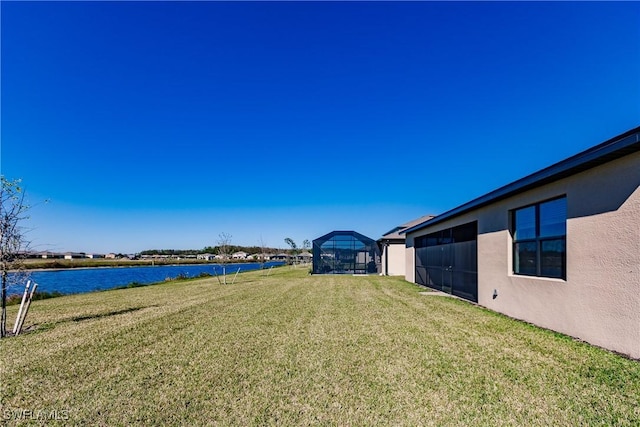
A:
x,y
161,125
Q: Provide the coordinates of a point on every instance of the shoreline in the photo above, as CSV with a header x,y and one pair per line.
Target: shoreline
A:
x,y
56,265
136,281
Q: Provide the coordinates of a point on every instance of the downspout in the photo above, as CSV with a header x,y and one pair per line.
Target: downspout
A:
x,y
386,258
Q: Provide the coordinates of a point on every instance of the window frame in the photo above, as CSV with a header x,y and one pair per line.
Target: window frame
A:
x,y
538,240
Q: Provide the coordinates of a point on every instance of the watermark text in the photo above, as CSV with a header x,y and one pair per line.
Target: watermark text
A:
x,y
35,414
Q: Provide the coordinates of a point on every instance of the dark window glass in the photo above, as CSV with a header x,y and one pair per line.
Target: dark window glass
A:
x,y
434,256
445,237
447,257
434,276
525,258
421,275
345,244
539,239
464,254
462,233
525,223
553,218
449,262
421,257
553,258
464,284
465,233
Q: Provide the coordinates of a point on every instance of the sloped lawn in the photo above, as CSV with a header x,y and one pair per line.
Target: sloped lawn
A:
x,y
294,349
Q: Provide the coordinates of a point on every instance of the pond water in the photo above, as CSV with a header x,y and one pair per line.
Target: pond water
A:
x,y
79,280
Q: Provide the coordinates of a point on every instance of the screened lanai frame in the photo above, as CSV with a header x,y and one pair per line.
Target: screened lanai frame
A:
x,y
345,252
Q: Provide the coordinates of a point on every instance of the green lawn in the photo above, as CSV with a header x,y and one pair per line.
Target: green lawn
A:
x,y
294,349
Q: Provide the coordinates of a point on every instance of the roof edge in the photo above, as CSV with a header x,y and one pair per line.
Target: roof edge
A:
x,y
612,149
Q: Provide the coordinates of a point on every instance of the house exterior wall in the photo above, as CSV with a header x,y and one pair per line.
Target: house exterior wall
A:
x,y
393,259
410,258
599,302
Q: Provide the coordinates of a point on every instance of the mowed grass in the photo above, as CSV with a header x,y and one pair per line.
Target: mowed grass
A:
x,y
294,349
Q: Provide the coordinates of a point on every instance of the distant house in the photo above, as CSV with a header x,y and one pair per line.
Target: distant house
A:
x,y
110,256
51,255
393,248
206,257
94,256
155,256
29,254
280,257
259,257
74,255
304,257
239,255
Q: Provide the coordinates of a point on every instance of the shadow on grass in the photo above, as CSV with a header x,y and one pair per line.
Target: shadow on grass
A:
x,y
110,313
42,327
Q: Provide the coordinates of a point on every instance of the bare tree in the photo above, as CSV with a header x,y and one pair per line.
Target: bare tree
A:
x,y
262,254
294,248
306,245
224,249
13,245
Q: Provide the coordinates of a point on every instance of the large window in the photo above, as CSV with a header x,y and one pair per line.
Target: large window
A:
x,y
539,239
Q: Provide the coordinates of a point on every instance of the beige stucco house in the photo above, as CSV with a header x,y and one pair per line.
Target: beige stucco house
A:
x,y
559,248
392,247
